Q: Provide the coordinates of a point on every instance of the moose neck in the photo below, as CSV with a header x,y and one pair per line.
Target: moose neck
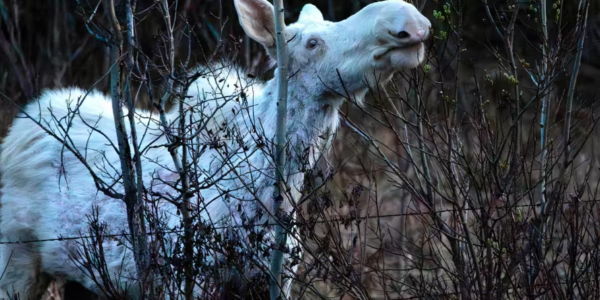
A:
x,y
311,119
309,115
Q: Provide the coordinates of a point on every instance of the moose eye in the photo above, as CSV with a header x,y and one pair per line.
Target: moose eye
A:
x,y
312,43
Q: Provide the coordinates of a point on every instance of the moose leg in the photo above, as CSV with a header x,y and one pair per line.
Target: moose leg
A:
x,y
55,290
88,276
63,289
22,275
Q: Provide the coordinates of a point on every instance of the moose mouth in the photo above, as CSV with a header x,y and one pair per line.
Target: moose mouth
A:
x,y
412,47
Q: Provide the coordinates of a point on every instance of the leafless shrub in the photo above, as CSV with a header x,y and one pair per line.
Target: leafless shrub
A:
x,y
492,186
463,179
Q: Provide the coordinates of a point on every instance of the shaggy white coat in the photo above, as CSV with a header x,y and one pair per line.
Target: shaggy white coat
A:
x,y
47,192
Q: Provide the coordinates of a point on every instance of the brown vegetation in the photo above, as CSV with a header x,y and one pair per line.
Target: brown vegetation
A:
x,y
459,221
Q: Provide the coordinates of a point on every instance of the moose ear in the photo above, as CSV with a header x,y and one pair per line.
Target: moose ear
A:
x,y
310,13
256,17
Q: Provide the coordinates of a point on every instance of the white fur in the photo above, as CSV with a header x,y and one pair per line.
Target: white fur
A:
x,y
43,200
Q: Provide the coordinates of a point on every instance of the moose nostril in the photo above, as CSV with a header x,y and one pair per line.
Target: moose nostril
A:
x,y
403,34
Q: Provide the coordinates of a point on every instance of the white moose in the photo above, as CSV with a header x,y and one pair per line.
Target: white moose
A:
x,y
47,192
